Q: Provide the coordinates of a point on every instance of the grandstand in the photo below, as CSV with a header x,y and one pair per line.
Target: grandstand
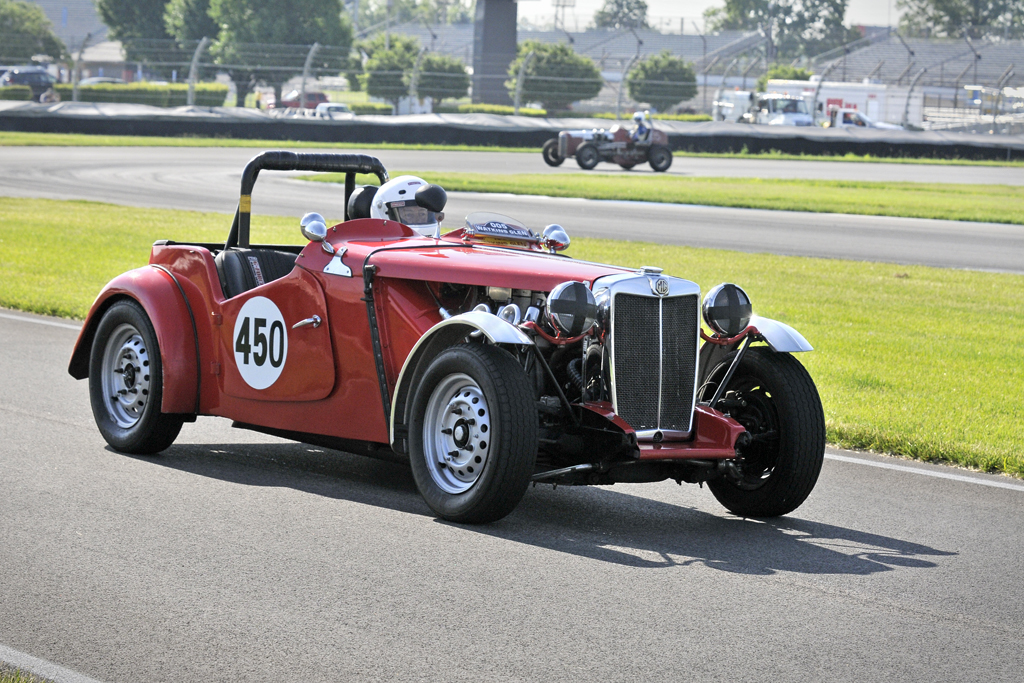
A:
x,y
949,62
611,49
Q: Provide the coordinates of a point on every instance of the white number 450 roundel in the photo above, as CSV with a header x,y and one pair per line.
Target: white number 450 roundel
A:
x,y
261,342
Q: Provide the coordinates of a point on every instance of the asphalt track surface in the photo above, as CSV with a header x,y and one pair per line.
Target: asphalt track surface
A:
x,y
238,557
207,179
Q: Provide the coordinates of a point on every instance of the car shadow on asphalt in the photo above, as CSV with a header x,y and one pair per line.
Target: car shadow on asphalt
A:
x,y
598,523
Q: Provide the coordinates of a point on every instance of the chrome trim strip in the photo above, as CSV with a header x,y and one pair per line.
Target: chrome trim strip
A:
x,y
661,354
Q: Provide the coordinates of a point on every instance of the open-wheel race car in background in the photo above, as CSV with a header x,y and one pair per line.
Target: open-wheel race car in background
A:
x,y
484,358
615,145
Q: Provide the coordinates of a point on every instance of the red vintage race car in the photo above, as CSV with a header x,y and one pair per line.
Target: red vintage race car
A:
x,y
484,358
615,145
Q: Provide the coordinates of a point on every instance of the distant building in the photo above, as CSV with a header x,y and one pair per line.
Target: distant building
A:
x,y
73,20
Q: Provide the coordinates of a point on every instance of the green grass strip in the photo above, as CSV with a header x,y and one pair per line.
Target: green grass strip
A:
x,y
14,139
985,203
8,139
921,362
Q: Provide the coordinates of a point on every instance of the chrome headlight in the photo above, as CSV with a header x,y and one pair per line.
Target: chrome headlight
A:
x,y
726,309
571,308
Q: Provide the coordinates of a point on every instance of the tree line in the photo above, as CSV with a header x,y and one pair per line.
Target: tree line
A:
x,y
163,34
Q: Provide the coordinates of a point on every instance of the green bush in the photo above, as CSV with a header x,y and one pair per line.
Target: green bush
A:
x,y
371,108
556,76
16,92
664,80
500,109
169,95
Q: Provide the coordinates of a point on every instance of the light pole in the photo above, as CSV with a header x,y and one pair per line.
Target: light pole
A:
x,y
703,59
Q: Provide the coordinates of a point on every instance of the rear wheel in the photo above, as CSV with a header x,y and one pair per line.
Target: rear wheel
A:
x,y
126,383
551,155
587,156
773,396
660,158
473,434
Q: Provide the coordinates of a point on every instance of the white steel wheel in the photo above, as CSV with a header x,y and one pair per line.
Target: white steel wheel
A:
x,y
126,382
456,433
473,433
125,376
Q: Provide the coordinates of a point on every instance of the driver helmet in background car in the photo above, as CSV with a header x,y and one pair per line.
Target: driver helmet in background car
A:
x,y
396,201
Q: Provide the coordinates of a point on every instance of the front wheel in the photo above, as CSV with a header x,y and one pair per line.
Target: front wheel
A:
x,y
550,153
660,158
473,434
587,156
126,383
773,396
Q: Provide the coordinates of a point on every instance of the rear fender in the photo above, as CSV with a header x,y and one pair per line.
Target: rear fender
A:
x,y
438,338
158,294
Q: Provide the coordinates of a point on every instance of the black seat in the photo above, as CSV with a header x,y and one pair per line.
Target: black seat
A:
x,y
243,269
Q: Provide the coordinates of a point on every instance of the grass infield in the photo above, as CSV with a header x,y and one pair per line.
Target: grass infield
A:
x,y
15,139
985,203
920,362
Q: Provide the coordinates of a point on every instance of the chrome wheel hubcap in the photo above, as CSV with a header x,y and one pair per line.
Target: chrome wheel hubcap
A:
x,y
126,376
456,433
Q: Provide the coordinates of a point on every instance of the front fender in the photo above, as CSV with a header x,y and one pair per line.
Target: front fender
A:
x,y
780,336
156,291
433,342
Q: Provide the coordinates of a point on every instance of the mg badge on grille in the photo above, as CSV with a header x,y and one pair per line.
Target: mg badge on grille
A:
x,y
660,286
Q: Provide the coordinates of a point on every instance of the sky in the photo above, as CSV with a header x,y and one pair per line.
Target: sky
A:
x,y
868,12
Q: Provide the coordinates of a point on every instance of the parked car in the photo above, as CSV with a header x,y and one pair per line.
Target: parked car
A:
x,y
101,80
36,78
851,118
294,99
483,358
334,110
615,145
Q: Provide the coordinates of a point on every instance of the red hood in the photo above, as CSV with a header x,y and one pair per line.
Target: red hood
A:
x,y
473,264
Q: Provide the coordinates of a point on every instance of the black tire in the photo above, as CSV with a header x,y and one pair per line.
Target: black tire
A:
x,y
782,411
550,153
660,158
493,458
126,383
587,156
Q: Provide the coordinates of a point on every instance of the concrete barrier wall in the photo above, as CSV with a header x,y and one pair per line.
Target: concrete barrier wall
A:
x,y
490,130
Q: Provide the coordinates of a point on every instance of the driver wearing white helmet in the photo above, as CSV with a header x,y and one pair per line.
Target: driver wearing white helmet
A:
x,y
396,200
642,130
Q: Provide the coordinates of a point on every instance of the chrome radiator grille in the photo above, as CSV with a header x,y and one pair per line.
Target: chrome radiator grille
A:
x,y
654,356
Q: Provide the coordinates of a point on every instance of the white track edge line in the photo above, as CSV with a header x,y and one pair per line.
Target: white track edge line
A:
x,y
27,319
41,667
927,473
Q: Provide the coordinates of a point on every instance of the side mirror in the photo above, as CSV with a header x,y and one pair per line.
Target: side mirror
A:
x,y
314,229
432,197
555,238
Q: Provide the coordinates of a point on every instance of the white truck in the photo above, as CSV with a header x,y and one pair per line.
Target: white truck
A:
x,y
731,105
776,109
878,102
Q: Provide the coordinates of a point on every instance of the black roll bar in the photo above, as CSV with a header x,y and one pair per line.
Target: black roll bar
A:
x,y
349,164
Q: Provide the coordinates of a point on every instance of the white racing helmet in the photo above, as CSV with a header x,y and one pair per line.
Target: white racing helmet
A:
x,y
638,116
396,201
